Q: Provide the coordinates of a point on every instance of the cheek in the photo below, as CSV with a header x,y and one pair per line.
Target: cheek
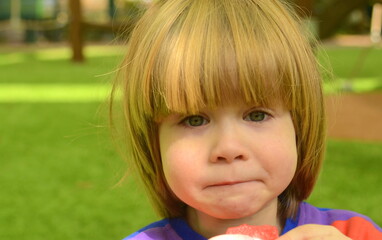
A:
x,y
285,161
181,172
287,166
179,163
179,152
280,156
170,164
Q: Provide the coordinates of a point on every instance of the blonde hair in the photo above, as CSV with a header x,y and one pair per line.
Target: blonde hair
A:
x,y
183,55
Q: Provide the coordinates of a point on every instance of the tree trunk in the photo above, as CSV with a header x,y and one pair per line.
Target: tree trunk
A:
x,y
75,28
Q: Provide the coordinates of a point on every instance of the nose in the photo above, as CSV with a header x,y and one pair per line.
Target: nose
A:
x,y
229,145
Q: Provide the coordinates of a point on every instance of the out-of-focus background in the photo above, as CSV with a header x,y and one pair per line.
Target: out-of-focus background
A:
x,y
58,166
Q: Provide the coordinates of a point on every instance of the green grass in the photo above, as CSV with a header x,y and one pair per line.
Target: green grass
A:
x,y
57,177
59,168
355,69
364,61
53,92
51,66
351,178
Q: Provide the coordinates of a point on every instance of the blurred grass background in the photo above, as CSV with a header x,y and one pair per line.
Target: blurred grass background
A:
x,y
59,167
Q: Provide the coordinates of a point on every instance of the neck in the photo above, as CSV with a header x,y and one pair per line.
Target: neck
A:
x,y
209,226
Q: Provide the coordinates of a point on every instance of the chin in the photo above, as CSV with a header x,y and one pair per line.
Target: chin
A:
x,y
230,213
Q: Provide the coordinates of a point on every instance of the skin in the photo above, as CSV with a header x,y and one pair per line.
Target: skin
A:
x,y
229,164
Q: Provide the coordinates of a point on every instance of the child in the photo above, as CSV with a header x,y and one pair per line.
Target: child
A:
x,y
225,121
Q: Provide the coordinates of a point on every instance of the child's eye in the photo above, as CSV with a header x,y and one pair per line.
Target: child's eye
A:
x,y
194,121
256,116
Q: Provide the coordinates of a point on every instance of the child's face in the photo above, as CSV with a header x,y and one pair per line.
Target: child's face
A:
x,y
229,162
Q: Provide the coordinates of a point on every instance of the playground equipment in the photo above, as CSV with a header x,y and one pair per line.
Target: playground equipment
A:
x,y
33,17
39,9
41,16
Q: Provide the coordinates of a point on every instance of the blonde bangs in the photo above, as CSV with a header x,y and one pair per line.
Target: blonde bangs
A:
x,y
203,60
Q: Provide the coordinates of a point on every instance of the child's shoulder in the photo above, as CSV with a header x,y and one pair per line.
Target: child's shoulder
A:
x,y
174,229
352,224
155,230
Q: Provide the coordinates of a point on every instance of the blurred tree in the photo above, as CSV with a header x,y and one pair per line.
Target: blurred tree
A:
x,y
5,9
111,8
332,14
305,7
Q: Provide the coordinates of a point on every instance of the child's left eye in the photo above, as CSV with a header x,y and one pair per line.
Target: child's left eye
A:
x,y
256,116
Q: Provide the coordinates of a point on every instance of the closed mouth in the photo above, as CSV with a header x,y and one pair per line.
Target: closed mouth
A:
x,y
228,183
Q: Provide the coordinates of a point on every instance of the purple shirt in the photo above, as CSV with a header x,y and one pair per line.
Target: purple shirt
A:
x,y
352,224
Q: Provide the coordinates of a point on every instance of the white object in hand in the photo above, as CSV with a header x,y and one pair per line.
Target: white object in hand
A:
x,y
234,237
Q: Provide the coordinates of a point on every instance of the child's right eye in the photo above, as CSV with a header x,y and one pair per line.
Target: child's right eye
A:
x,y
194,121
